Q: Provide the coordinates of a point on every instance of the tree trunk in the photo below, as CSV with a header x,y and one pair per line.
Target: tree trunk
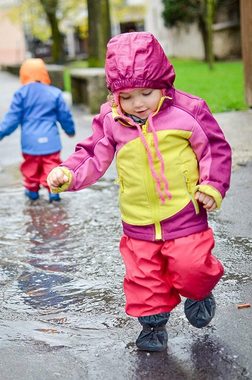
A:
x,y
203,30
246,34
206,28
50,7
99,31
209,27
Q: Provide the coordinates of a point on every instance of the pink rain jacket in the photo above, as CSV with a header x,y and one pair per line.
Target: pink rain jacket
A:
x,y
179,150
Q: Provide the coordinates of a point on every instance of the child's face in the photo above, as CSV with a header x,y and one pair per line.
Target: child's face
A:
x,y
140,102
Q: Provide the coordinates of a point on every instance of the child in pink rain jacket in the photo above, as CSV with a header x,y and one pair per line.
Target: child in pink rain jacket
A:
x,y
173,166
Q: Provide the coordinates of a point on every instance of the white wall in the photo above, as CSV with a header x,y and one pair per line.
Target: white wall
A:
x,y
183,42
186,42
154,24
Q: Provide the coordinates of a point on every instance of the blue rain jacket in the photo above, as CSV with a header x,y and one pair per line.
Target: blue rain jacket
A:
x,y
38,108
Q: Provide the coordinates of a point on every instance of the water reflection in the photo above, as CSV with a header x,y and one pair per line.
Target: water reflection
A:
x,y
65,267
46,225
212,361
161,366
46,229
206,359
40,289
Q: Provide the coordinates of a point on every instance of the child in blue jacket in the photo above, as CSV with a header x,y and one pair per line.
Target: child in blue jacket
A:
x,y
37,107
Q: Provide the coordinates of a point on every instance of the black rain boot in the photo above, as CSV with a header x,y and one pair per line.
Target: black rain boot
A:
x,y
154,336
200,313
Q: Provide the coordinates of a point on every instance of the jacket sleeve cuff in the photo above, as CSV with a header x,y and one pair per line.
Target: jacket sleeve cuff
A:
x,y
209,190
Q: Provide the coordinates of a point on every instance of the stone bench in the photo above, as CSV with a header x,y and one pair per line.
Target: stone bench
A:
x,y
88,87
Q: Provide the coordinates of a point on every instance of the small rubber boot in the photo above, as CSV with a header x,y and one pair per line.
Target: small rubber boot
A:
x,y
54,197
200,313
154,336
32,195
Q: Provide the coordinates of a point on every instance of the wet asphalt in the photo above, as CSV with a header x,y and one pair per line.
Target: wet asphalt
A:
x,y
62,305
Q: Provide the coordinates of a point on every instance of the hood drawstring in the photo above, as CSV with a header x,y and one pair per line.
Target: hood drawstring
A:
x,y
161,160
160,179
151,164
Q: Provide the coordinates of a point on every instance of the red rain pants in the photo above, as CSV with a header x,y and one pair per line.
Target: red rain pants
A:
x,y
35,169
158,273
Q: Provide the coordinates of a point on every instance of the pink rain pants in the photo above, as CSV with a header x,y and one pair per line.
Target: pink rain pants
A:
x,y
35,169
158,273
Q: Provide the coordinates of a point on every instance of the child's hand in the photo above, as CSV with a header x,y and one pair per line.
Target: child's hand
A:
x,y
59,179
208,201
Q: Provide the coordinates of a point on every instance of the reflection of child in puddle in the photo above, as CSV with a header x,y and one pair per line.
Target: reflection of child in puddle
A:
x,y
46,224
42,286
39,289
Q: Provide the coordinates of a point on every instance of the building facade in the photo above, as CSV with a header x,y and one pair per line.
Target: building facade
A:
x,y
12,40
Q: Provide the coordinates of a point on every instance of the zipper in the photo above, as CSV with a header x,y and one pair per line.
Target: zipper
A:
x,y
155,206
154,200
189,191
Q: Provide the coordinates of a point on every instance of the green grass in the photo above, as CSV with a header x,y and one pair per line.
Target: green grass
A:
x,y
222,87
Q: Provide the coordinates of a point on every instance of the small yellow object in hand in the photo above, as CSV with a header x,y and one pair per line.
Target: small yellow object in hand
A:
x,y
59,179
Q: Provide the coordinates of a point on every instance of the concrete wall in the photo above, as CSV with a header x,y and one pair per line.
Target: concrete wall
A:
x,y
155,25
177,42
227,41
186,42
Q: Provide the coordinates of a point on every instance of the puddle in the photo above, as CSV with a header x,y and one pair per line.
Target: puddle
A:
x,y
61,287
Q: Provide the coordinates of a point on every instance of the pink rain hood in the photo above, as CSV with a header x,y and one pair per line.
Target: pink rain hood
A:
x,y
141,63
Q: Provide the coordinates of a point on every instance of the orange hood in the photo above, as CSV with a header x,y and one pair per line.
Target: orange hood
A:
x,y
34,70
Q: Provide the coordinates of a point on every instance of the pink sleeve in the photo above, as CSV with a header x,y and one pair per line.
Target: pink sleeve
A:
x,y
212,150
92,156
